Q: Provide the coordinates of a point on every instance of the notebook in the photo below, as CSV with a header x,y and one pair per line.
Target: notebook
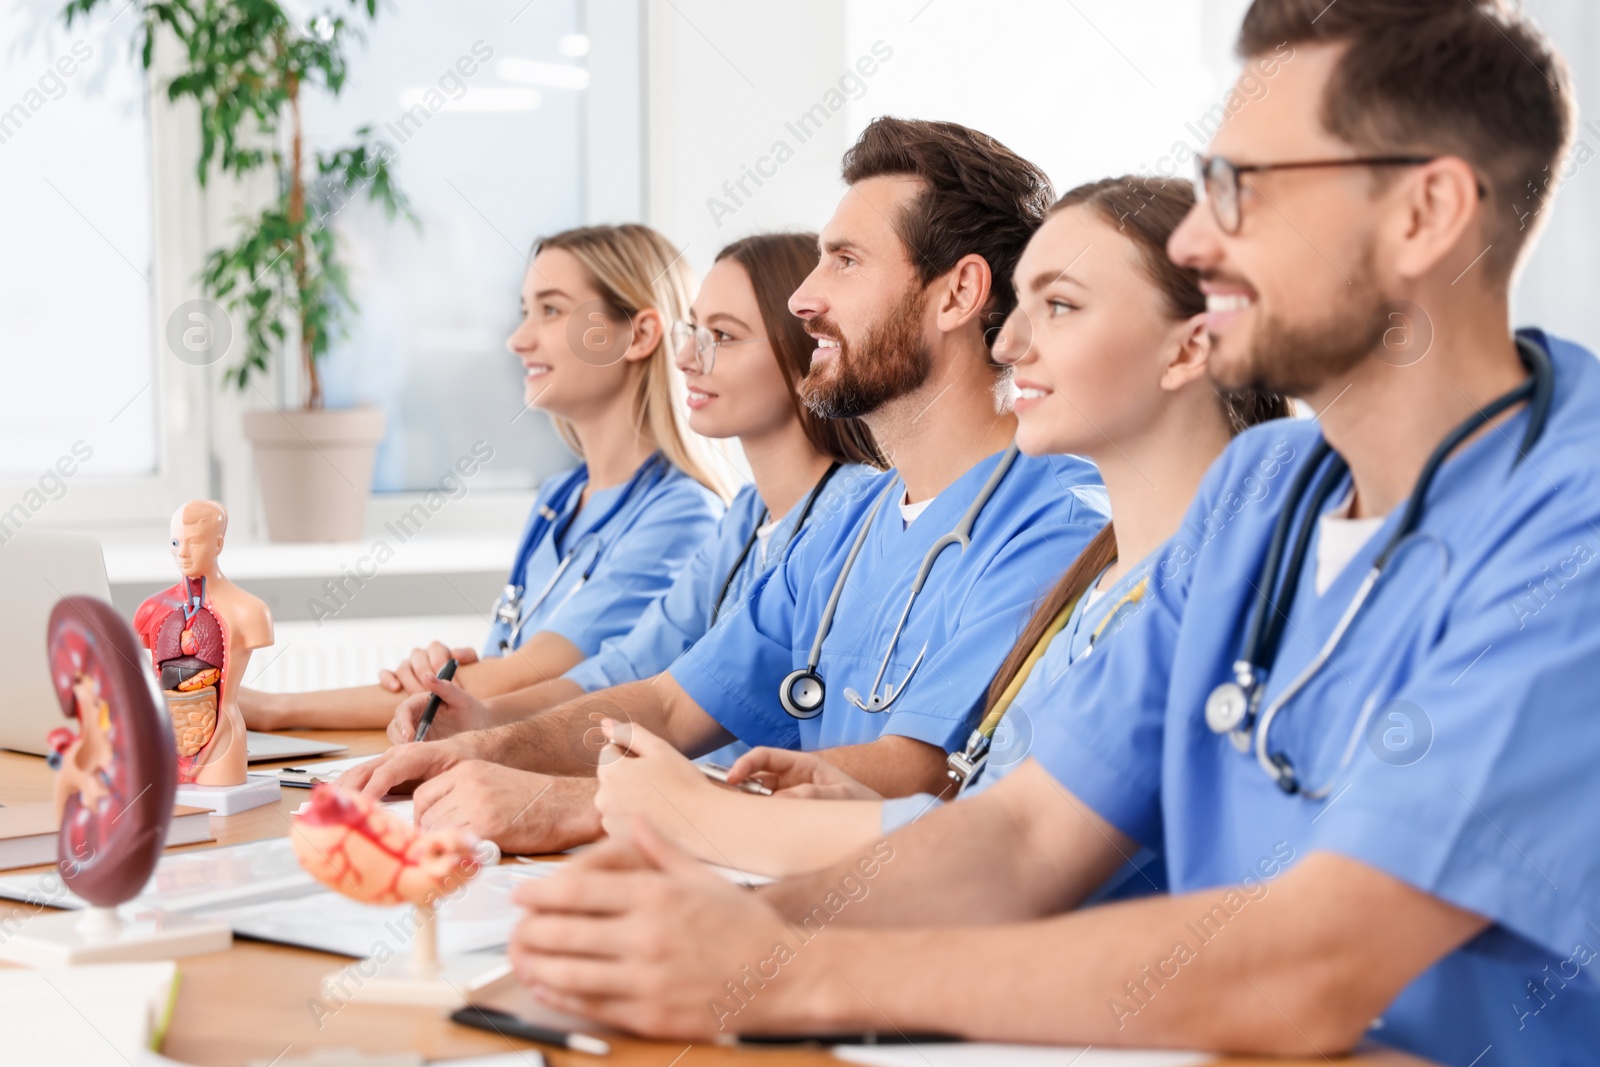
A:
x,y
28,832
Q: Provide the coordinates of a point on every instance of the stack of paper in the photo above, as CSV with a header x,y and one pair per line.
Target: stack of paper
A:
x,y
104,1015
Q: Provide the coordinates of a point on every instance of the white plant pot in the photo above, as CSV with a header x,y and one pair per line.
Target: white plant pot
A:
x,y
315,469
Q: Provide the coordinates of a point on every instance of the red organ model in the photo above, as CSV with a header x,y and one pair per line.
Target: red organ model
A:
x,y
200,633
115,785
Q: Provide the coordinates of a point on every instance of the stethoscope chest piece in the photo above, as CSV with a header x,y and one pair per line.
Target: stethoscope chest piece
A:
x,y
802,694
1227,708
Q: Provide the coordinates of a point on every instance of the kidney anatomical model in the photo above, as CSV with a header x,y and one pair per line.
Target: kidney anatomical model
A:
x,y
115,780
114,791
200,634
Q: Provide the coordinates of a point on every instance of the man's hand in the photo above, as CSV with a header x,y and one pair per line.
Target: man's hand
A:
x,y
459,711
522,812
403,767
423,663
638,935
798,774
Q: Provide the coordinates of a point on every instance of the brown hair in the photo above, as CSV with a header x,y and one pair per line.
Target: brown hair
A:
x,y
979,197
1470,78
634,268
1146,211
776,264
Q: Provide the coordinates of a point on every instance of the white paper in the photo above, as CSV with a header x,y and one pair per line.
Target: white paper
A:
x,y
478,917
965,1054
329,769
191,881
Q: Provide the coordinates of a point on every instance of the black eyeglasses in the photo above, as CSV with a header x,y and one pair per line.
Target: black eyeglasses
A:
x,y
1219,179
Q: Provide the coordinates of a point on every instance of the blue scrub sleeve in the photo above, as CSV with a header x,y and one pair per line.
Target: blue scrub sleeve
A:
x,y
733,672
1101,735
1496,812
638,568
942,707
668,626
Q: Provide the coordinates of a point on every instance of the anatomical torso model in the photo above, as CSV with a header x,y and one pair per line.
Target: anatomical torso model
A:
x,y
200,633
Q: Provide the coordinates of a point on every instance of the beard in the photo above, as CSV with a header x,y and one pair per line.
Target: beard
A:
x,y
1297,358
889,362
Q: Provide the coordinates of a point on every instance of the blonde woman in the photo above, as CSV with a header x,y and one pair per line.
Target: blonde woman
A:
x,y
605,540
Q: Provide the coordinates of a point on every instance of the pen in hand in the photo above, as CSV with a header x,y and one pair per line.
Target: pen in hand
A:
x,y
447,672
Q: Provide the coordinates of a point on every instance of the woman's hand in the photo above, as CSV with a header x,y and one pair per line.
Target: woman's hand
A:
x,y
798,774
640,774
423,663
459,711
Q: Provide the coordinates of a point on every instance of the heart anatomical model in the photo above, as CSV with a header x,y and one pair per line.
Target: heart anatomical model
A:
x,y
352,845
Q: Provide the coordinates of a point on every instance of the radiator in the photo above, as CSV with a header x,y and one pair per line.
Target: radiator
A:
x,y
346,652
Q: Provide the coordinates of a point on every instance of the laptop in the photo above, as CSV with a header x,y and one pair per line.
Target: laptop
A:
x,y
36,570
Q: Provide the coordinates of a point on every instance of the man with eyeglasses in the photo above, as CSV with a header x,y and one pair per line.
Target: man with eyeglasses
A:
x,y
875,638
1359,719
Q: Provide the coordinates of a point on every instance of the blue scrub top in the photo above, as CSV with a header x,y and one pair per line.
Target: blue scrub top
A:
x,y
642,548
680,618
1014,737
970,610
1455,726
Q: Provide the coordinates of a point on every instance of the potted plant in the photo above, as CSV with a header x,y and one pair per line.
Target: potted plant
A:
x,y
246,63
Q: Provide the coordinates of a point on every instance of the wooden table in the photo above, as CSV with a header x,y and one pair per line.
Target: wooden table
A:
x,y
252,1002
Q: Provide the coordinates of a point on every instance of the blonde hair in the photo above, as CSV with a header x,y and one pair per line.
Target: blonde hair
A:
x,y
636,268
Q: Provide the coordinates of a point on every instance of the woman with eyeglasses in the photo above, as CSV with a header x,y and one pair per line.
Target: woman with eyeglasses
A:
x,y
1109,350
606,540
742,354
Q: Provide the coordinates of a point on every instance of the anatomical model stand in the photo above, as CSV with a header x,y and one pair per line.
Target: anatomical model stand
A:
x,y
200,634
354,846
114,793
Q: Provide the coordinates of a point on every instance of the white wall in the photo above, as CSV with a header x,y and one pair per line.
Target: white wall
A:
x,y
1085,89
1558,287
723,80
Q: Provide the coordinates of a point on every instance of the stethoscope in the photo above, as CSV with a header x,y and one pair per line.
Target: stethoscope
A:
x,y
755,533
963,767
802,692
1232,706
509,610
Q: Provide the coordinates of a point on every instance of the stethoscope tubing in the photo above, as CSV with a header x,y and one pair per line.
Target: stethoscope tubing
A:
x,y
1274,597
647,476
961,536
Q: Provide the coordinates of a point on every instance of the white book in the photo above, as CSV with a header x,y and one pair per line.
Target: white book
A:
x,y
101,1015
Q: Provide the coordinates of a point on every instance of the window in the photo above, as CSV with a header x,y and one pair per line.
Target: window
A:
x,y
78,359
485,114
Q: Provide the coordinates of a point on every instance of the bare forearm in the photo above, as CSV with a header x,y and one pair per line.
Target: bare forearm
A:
x,y
566,739
1296,966
893,766
362,707
775,836
544,657
532,700
997,857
